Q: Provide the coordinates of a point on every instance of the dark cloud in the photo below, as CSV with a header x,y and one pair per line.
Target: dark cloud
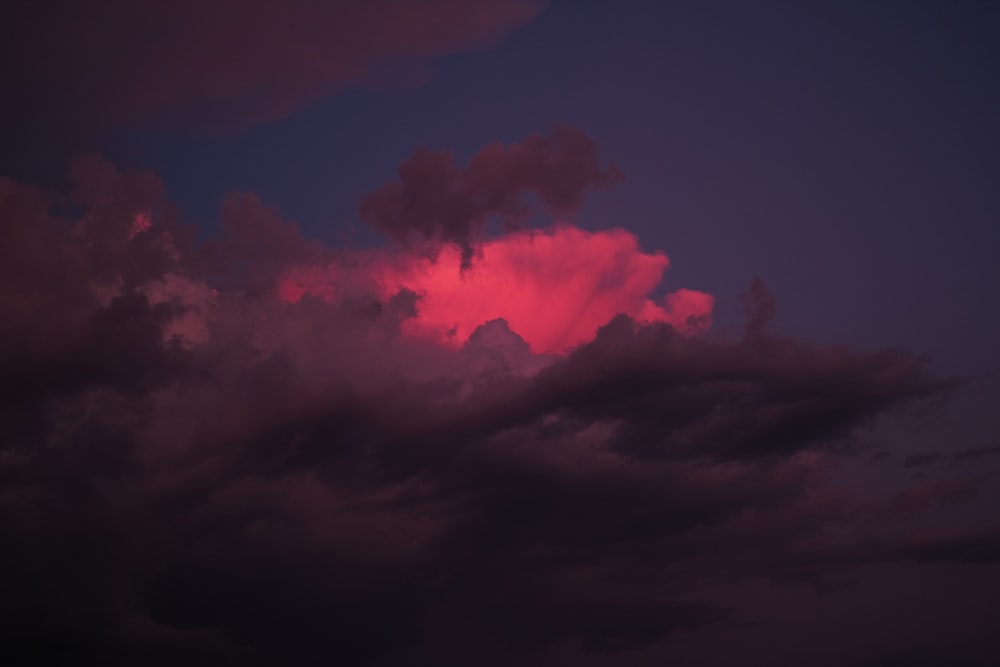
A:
x,y
918,497
436,201
677,396
970,546
960,456
759,307
256,244
203,469
925,658
922,458
227,64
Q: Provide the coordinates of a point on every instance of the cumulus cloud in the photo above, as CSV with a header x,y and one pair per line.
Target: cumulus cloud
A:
x,y
262,449
554,287
438,202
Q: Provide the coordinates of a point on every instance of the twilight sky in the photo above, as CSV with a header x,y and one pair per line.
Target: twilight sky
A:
x,y
396,333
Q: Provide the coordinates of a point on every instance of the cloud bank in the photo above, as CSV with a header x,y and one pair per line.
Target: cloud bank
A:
x,y
263,450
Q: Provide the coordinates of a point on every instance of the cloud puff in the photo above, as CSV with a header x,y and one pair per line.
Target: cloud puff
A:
x,y
252,452
438,202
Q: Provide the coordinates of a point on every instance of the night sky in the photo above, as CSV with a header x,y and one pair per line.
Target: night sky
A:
x,y
500,332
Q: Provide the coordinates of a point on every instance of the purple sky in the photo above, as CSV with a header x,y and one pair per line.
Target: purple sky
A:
x,y
500,332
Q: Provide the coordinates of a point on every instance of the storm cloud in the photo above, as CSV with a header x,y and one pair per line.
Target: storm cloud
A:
x,y
248,451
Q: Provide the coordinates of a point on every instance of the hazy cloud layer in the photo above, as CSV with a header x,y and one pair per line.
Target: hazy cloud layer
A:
x,y
224,65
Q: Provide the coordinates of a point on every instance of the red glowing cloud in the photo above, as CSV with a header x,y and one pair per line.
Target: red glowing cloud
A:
x,y
554,288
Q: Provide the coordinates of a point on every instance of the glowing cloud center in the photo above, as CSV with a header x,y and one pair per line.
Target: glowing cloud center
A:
x,y
555,288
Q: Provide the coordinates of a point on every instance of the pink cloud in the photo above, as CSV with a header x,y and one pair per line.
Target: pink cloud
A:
x,y
554,288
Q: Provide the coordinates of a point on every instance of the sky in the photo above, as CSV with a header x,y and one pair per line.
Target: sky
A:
x,y
391,333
